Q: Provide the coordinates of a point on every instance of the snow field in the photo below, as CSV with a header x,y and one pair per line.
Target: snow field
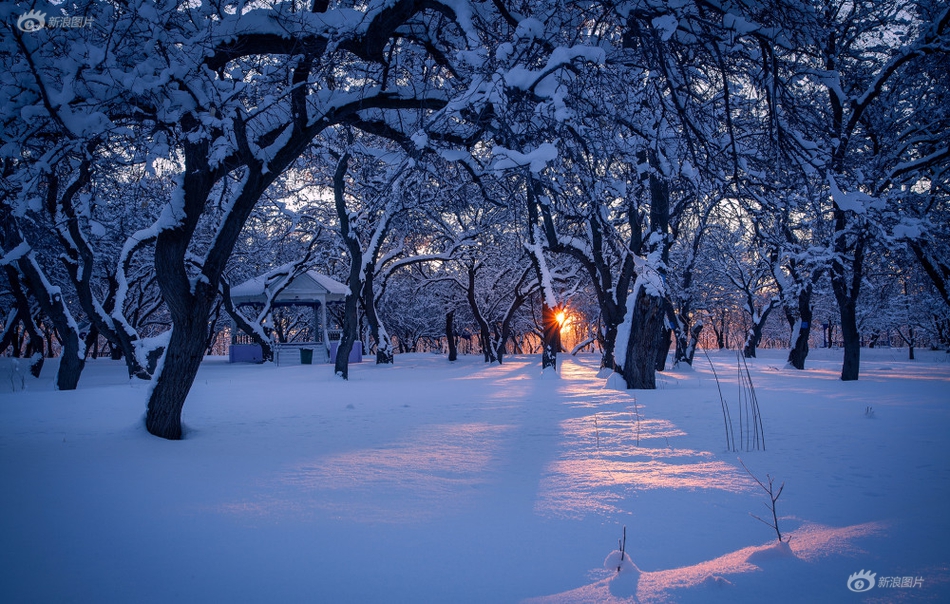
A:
x,y
431,482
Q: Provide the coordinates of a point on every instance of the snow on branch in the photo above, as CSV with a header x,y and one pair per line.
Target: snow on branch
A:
x,y
536,160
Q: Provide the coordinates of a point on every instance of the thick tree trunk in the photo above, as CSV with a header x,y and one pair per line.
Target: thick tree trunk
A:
x,y
643,345
450,337
176,375
350,333
550,337
850,368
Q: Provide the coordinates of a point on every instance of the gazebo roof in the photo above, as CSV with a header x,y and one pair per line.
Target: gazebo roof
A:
x,y
305,288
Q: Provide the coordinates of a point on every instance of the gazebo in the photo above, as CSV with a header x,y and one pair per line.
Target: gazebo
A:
x,y
283,288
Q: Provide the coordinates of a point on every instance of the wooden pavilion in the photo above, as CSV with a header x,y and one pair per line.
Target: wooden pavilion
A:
x,y
282,288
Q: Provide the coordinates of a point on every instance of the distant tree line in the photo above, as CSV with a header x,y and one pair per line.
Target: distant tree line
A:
x,y
661,175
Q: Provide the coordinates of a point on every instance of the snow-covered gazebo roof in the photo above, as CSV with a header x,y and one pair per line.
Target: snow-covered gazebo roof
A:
x,y
309,287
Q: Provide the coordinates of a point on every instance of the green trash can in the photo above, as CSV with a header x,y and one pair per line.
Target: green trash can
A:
x,y
306,356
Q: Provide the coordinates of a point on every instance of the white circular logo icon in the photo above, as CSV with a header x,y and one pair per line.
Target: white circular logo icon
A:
x,y
861,581
31,21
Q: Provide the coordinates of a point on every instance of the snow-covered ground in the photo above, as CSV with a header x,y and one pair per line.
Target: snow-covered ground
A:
x,y
431,482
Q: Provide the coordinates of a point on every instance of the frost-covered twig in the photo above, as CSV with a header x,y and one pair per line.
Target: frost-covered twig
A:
x,y
773,497
623,548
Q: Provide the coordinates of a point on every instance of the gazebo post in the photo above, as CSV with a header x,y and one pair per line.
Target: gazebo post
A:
x,y
323,325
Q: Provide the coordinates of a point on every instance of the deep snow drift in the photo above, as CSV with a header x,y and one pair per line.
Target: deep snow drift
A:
x,y
438,482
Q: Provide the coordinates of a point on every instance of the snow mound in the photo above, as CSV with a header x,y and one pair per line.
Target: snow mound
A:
x,y
626,566
616,382
550,373
627,580
683,368
604,372
776,551
715,581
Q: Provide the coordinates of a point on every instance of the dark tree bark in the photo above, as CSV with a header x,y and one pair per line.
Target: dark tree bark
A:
x,y
51,303
799,350
483,329
267,351
350,334
643,345
9,336
550,336
647,323
189,299
450,337
79,261
850,368
34,344
936,269
754,335
663,350
384,347
179,367
355,283
692,342
521,294
847,289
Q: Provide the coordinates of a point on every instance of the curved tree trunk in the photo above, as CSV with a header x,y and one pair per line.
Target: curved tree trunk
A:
x,y
175,376
21,313
354,281
49,297
801,330
384,346
241,322
754,335
483,330
689,344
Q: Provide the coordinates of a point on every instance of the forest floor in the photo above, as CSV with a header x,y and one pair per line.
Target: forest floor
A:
x,y
435,482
